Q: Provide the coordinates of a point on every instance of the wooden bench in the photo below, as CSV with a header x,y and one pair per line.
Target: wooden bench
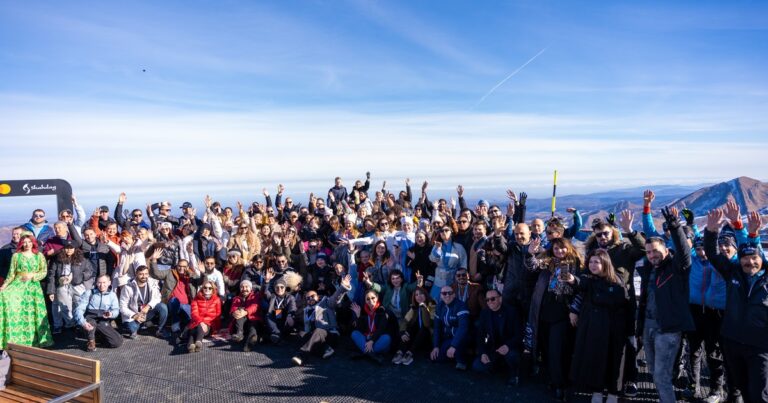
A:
x,y
38,375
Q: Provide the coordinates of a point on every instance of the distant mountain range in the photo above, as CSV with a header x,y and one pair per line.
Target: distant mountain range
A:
x,y
750,194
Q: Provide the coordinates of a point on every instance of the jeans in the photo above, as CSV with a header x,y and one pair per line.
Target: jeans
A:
x,y
379,346
160,310
66,299
176,314
660,352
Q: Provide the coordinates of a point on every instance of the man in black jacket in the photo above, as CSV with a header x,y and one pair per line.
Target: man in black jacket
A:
x,y
665,298
498,337
745,323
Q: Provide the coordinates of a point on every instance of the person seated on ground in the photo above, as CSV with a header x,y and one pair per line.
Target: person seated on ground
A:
x,y
206,310
451,329
281,310
140,302
371,335
499,339
396,295
212,273
178,288
321,333
416,327
246,315
96,310
69,275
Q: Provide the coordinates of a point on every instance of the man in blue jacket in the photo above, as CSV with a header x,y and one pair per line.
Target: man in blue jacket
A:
x,y
96,311
451,330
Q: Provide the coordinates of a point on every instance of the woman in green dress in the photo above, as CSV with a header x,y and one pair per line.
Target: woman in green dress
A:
x,y
23,318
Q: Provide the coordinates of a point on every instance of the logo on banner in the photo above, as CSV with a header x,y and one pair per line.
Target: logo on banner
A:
x,y
5,188
38,188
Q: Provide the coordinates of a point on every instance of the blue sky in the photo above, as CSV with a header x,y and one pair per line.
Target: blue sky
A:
x,y
155,93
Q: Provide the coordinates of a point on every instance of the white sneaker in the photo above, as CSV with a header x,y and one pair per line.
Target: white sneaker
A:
x,y
407,358
328,352
398,358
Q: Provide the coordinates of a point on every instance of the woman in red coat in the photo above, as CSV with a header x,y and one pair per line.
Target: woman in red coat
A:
x,y
206,310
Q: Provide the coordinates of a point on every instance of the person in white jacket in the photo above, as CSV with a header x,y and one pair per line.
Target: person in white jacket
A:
x,y
140,302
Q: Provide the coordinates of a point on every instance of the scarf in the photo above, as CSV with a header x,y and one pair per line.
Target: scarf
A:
x,y
371,316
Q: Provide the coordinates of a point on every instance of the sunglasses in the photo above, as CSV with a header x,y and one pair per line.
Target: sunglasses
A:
x,y
207,288
371,299
604,234
383,224
39,215
311,297
491,299
446,292
137,215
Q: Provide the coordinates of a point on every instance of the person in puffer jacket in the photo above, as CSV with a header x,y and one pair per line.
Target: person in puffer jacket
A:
x,y
745,324
451,329
706,289
206,309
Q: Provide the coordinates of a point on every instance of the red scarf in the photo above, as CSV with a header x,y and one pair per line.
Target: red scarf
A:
x,y
371,313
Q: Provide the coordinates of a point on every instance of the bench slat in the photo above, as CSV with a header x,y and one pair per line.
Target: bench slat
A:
x,y
52,355
61,372
18,394
72,367
56,389
64,380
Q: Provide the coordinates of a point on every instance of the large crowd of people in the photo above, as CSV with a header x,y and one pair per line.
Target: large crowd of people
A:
x,y
407,279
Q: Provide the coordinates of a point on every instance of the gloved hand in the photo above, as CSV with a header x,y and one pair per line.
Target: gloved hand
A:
x,y
688,215
611,219
523,198
368,175
672,221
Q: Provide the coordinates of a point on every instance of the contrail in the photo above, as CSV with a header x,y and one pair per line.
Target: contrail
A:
x,y
509,76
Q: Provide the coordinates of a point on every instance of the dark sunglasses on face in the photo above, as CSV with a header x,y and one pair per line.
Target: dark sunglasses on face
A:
x,y
446,292
207,288
604,234
371,299
491,299
39,215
